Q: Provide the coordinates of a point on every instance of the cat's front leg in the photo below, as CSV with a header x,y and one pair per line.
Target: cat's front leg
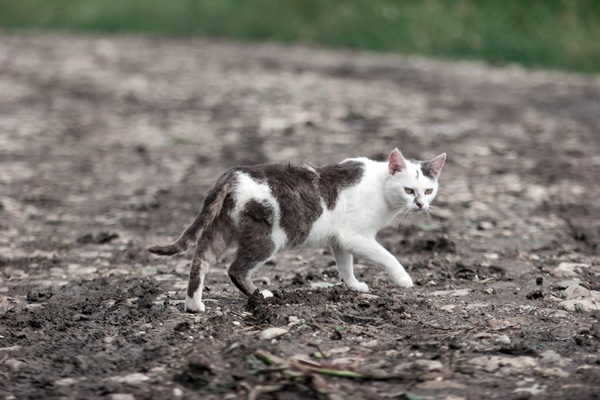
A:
x,y
344,262
372,251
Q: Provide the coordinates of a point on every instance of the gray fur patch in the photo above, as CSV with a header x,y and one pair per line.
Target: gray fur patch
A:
x,y
427,169
336,177
254,243
297,196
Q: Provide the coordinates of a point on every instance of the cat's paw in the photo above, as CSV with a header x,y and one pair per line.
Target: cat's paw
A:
x,y
194,306
358,287
404,281
266,293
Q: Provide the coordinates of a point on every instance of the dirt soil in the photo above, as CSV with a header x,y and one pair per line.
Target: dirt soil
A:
x,y
108,144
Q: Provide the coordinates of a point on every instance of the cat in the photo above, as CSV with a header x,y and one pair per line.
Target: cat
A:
x,y
270,208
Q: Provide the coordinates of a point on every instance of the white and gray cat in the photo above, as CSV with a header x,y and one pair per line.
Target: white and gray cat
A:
x,y
267,209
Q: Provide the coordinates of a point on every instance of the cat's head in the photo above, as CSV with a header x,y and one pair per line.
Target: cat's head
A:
x,y
412,184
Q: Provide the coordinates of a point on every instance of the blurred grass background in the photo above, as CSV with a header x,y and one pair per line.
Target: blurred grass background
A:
x,y
555,34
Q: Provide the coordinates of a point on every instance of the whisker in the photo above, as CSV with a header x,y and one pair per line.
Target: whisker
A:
x,y
432,212
403,217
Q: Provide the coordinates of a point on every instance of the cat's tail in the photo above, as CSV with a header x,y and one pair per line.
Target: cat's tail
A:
x,y
213,204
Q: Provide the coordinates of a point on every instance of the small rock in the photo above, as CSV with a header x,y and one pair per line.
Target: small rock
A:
x,y
502,339
552,357
534,390
476,305
80,317
339,350
580,299
436,384
272,333
121,396
15,364
367,296
69,381
493,363
485,226
453,293
562,314
343,361
536,193
555,371
131,379
580,305
578,291
177,392
567,269
448,307
370,344
539,280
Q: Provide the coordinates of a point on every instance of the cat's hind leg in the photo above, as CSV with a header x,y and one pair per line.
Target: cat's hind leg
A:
x,y
208,248
344,261
255,245
241,271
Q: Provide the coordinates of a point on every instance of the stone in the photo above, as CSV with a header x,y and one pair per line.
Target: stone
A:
x,y
69,381
580,305
272,333
121,396
440,384
502,339
485,226
580,299
15,364
131,379
453,293
339,350
369,344
448,307
493,363
567,269
554,371
578,291
534,390
367,296
551,356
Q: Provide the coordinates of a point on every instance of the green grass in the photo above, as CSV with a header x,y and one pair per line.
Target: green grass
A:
x,y
557,34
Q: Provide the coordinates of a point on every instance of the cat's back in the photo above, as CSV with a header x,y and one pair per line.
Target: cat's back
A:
x,y
294,196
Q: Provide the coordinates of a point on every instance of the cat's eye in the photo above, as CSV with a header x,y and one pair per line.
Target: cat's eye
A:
x,y
409,191
429,191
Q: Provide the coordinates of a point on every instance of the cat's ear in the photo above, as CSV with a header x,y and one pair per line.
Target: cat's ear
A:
x,y
433,168
396,162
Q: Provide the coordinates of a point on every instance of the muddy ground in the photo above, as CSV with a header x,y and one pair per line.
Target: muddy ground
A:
x,y
108,144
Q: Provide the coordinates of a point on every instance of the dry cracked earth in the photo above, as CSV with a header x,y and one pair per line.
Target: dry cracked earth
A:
x,y
108,144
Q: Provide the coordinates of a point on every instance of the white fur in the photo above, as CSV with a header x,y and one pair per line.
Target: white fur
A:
x,y
194,304
248,189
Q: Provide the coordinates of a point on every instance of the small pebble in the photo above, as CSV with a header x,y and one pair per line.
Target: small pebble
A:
x,y
272,333
539,280
15,364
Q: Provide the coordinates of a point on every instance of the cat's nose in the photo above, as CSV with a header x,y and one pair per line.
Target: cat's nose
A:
x,y
420,205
